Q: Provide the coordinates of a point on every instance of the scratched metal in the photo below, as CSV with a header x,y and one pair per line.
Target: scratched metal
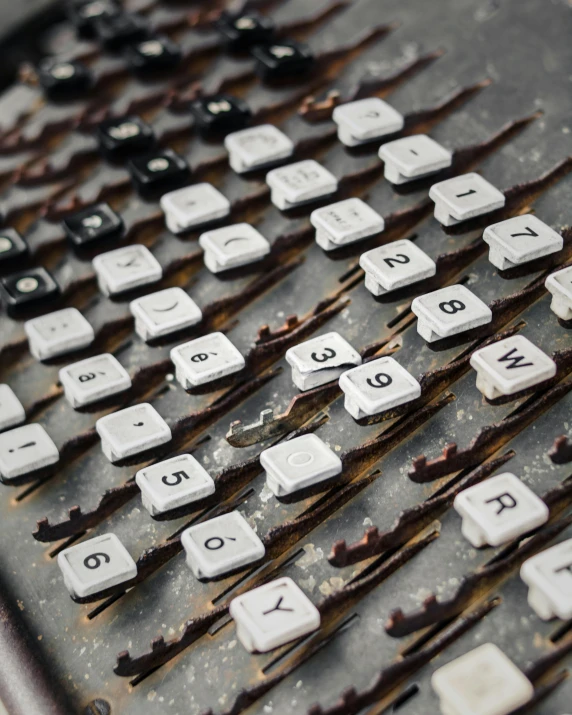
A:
x,y
489,80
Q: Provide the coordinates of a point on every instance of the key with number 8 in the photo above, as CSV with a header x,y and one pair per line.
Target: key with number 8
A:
x,y
449,311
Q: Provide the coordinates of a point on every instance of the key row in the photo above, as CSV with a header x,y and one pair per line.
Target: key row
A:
x,y
266,617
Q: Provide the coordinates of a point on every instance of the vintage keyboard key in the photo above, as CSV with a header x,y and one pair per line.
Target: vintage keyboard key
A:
x,y
27,289
300,183
220,114
95,565
25,449
413,157
193,206
241,31
299,463
272,615
13,248
560,285
116,30
12,412
345,222
395,265
132,430
520,239
93,224
365,120
464,197
257,147
164,312
377,386
64,79
93,379
58,333
84,13
320,360
449,311
549,578
283,60
498,510
220,545
233,246
126,268
511,365
125,136
482,682
153,54
173,483
205,359
158,171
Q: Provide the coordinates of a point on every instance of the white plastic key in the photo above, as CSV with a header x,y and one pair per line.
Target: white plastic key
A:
x,y
132,430
93,379
126,268
464,197
96,565
173,483
449,311
482,682
366,120
299,463
220,545
25,449
12,411
205,359
345,222
300,183
559,284
273,614
193,206
257,147
321,360
520,239
394,266
58,333
233,246
413,157
377,386
549,578
498,510
511,365
164,312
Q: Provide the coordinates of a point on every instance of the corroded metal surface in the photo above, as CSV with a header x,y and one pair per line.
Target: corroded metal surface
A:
x,y
490,81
